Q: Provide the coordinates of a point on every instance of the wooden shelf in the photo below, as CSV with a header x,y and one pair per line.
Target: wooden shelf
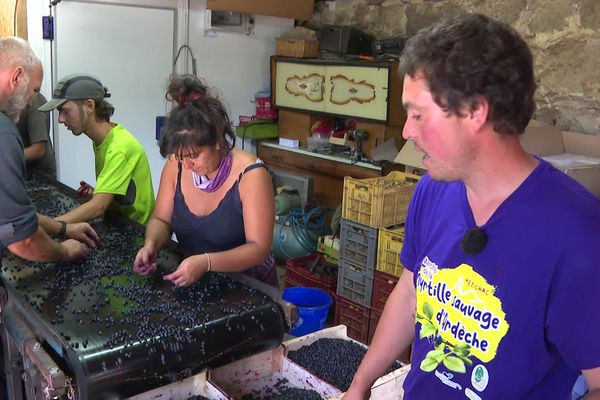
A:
x,y
327,171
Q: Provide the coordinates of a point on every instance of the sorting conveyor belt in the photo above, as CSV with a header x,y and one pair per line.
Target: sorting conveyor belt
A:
x,y
113,333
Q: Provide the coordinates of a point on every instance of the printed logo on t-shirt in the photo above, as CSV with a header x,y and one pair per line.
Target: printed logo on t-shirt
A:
x,y
471,394
480,377
460,314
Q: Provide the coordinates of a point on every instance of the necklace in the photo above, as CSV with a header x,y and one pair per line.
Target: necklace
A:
x,y
202,182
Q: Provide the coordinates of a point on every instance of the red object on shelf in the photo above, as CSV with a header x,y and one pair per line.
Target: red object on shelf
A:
x,y
264,107
383,284
354,316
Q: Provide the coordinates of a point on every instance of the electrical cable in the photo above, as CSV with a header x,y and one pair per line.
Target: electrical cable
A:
x,y
302,222
185,46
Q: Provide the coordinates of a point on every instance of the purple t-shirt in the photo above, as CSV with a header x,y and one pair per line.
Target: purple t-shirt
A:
x,y
518,320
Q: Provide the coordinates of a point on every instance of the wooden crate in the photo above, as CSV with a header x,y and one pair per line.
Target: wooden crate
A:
x,y
183,390
296,48
387,387
252,374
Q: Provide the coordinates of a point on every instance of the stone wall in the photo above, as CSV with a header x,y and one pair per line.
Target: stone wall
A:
x,y
564,36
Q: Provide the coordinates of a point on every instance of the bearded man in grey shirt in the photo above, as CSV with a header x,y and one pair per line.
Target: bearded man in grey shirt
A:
x,y
22,230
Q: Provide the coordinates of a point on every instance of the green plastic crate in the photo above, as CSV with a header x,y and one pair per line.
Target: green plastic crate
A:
x,y
257,130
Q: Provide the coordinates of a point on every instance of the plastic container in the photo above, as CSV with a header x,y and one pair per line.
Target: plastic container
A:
x,y
383,284
298,274
358,243
355,282
354,316
378,202
313,306
389,246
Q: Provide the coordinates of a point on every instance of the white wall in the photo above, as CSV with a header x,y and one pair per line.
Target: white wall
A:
x,y
234,63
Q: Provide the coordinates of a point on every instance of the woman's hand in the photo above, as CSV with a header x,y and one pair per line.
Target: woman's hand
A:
x,y
145,261
189,271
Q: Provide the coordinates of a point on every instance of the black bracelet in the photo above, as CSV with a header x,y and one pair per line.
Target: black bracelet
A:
x,y
63,229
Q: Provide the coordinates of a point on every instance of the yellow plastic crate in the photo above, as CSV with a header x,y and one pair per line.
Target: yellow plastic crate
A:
x,y
378,202
389,246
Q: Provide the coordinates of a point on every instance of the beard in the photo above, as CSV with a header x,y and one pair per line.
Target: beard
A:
x,y
16,104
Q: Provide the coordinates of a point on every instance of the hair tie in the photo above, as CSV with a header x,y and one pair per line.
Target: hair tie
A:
x,y
185,100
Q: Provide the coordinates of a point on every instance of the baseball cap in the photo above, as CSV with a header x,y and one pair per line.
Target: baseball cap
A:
x,y
75,87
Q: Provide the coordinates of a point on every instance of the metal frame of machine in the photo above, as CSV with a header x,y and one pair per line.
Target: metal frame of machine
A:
x,y
43,362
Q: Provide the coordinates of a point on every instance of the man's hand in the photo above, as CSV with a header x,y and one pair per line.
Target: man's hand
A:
x,y
85,191
354,393
189,271
83,232
145,261
76,251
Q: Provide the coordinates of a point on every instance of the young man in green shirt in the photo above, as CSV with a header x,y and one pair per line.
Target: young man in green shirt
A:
x,y
123,180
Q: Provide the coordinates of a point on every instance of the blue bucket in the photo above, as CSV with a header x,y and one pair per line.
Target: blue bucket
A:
x,y
313,306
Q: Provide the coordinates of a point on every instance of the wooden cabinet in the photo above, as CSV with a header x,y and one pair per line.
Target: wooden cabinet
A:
x,y
309,90
295,9
328,172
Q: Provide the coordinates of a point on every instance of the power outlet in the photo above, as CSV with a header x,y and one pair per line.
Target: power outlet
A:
x,y
48,27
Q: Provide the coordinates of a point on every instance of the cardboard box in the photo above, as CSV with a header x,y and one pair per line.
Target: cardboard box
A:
x,y
576,154
184,389
296,9
256,374
410,158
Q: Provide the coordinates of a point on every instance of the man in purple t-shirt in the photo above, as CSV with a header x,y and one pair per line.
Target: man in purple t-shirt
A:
x,y
500,291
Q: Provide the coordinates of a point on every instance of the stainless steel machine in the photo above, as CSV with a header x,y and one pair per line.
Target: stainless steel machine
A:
x,y
97,330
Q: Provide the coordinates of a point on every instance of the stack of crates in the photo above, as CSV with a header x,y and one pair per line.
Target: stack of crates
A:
x,y
369,206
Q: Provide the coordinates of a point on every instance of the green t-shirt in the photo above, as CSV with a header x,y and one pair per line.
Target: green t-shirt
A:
x,y
122,169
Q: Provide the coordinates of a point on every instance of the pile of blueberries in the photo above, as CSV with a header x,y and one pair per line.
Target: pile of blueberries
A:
x,y
333,360
282,391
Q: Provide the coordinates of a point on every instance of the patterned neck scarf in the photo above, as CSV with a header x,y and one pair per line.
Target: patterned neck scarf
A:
x,y
210,185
